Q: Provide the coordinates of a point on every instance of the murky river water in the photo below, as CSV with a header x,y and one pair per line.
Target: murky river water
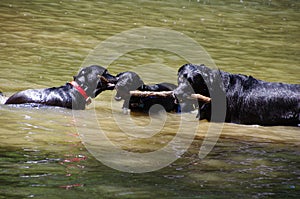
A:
x,y
42,154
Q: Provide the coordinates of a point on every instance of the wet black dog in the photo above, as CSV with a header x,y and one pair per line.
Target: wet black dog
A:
x,y
130,81
248,100
89,82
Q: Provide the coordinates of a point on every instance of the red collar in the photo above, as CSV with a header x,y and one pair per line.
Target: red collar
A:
x,y
82,92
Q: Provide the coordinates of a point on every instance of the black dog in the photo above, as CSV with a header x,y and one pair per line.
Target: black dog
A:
x,y
248,100
130,81
89,82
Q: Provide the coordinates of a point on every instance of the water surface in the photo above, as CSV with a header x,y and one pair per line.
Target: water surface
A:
x,y
43,44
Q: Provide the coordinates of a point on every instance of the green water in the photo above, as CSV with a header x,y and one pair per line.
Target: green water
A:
x,y
43,44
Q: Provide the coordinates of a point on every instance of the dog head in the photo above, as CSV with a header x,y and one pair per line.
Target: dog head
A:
x,y
95,79
126,82
192,79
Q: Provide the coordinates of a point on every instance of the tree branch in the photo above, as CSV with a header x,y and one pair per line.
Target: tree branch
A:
x,y
166,94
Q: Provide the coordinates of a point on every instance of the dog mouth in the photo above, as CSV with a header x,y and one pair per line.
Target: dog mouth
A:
x,y
109,83
176,100
118,98
122,94
110,86
180,96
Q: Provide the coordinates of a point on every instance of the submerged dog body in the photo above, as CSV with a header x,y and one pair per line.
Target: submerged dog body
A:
x,y
248,100
130,81
89,82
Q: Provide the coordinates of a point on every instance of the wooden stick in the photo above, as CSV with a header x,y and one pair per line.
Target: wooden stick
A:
x,y
103,79
166,94
201,97
151,93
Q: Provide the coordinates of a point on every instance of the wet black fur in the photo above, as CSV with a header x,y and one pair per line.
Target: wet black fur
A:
x,y
130,81
67,96
248,100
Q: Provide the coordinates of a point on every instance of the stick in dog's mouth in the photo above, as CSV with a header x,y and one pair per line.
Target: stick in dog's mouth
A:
x,y
109,84
167,94
103,79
